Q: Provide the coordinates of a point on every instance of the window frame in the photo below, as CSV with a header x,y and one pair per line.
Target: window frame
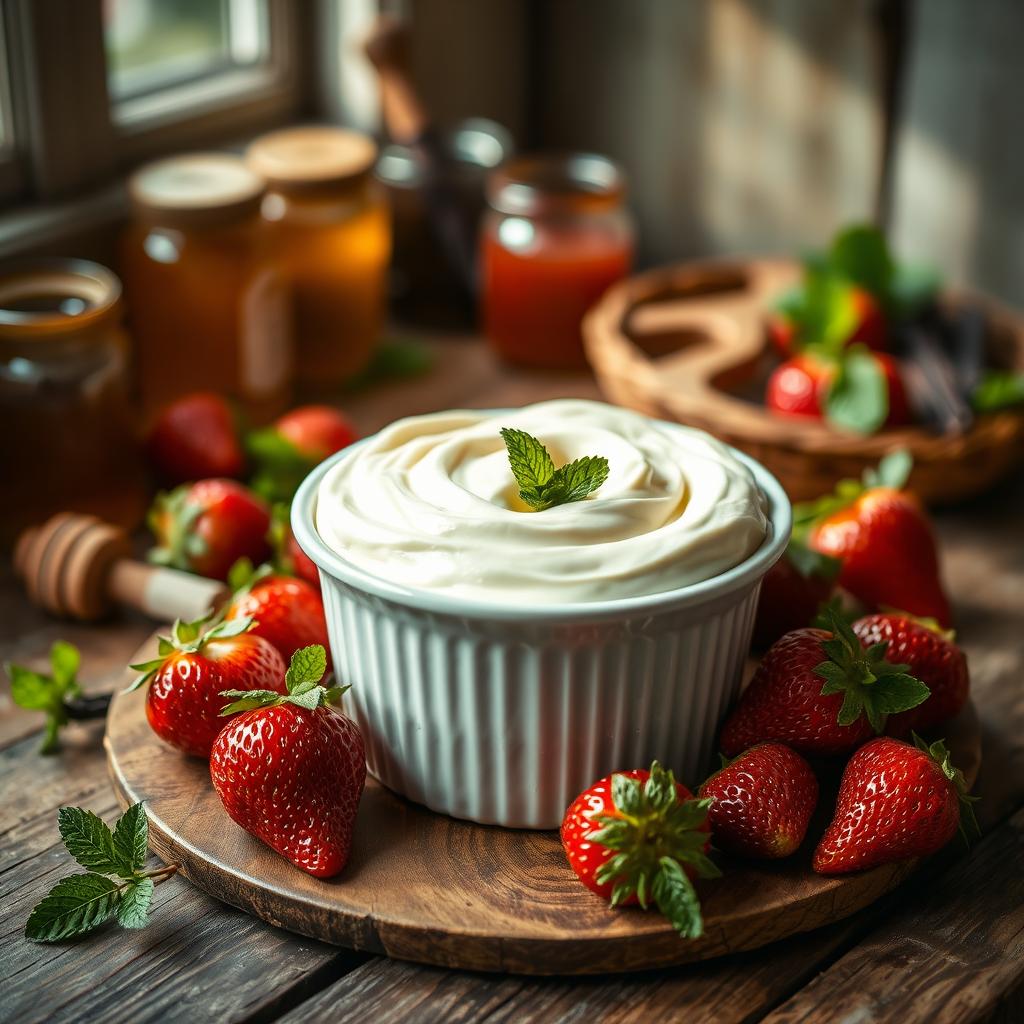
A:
x,y
69,133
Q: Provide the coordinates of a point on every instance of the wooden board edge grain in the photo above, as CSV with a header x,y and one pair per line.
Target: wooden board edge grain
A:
x,y
571,932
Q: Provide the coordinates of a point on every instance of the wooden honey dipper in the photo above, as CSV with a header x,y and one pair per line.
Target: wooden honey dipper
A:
x,y
77,566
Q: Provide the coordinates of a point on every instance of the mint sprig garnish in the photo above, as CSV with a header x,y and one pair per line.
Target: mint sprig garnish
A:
x,y
542,486
655,836
79,903
302,679
36,691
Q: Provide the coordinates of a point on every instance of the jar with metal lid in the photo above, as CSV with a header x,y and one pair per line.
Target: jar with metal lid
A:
x,y
332,230
68,436
556,236
207,299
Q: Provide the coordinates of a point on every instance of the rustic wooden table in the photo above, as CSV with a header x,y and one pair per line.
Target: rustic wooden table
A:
x,y
947,946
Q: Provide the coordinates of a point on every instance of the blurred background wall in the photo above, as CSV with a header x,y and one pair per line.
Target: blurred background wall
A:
x,y
762,125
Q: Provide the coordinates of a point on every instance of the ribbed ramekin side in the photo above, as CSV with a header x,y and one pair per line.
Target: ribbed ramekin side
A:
x,y
504,725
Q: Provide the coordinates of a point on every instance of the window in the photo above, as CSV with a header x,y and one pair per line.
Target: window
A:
x,y
106,84
160,46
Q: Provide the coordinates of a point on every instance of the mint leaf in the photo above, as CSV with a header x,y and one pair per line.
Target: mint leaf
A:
x,y
74,906
576,480
911,288
37,692
133,908
862,255
998,389
308,665
858,398
65,661
30,690
892,471
131,839
530,461
90,842
542,486
826,315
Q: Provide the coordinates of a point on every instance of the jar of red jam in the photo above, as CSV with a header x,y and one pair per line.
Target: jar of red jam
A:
x,y
556,235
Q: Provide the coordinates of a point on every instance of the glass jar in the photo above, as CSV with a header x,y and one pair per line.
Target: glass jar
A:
x,y
207,300
68,434
556,236
332,231
425,289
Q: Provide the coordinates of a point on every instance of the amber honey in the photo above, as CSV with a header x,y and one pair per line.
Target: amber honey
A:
x,y
332,232
208,300
68,432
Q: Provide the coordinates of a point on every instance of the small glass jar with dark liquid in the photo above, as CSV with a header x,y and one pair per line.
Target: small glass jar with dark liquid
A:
x,y
68,432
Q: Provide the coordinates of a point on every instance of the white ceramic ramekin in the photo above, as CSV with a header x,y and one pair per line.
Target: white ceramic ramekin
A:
x,y
501,713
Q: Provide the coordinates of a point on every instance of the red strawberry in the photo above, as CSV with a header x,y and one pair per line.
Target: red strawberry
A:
x,y
884,539
316,431
932,656
286,451
286,611
195,438
289,558
302,565
899,407
869,325
640,836
805,385
821,693
763,801
798,386
792,592
207,526
183,702
291,769
896,801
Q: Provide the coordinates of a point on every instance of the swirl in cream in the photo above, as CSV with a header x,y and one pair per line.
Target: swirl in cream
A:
x,y
430,502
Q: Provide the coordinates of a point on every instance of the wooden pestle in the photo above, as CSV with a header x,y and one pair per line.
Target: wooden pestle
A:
x,y
76,566
408,122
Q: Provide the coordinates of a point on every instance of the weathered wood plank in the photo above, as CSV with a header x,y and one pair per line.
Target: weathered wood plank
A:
x,y
197,959
732,989
952,957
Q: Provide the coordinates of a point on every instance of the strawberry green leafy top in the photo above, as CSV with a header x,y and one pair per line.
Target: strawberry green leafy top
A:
x,y
654,834
307,668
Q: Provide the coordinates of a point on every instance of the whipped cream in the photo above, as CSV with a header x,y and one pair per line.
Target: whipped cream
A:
x,y
430,502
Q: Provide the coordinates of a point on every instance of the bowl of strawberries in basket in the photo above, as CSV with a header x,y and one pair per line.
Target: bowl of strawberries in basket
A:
x,y
820,368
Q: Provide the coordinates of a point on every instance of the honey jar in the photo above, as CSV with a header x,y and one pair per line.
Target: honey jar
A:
x,y
332,230
557,234
67,425
207,299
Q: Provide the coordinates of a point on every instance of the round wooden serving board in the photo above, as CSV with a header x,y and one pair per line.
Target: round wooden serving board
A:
x,y
421,886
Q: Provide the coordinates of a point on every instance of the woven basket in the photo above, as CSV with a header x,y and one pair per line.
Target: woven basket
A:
x,y
688,343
